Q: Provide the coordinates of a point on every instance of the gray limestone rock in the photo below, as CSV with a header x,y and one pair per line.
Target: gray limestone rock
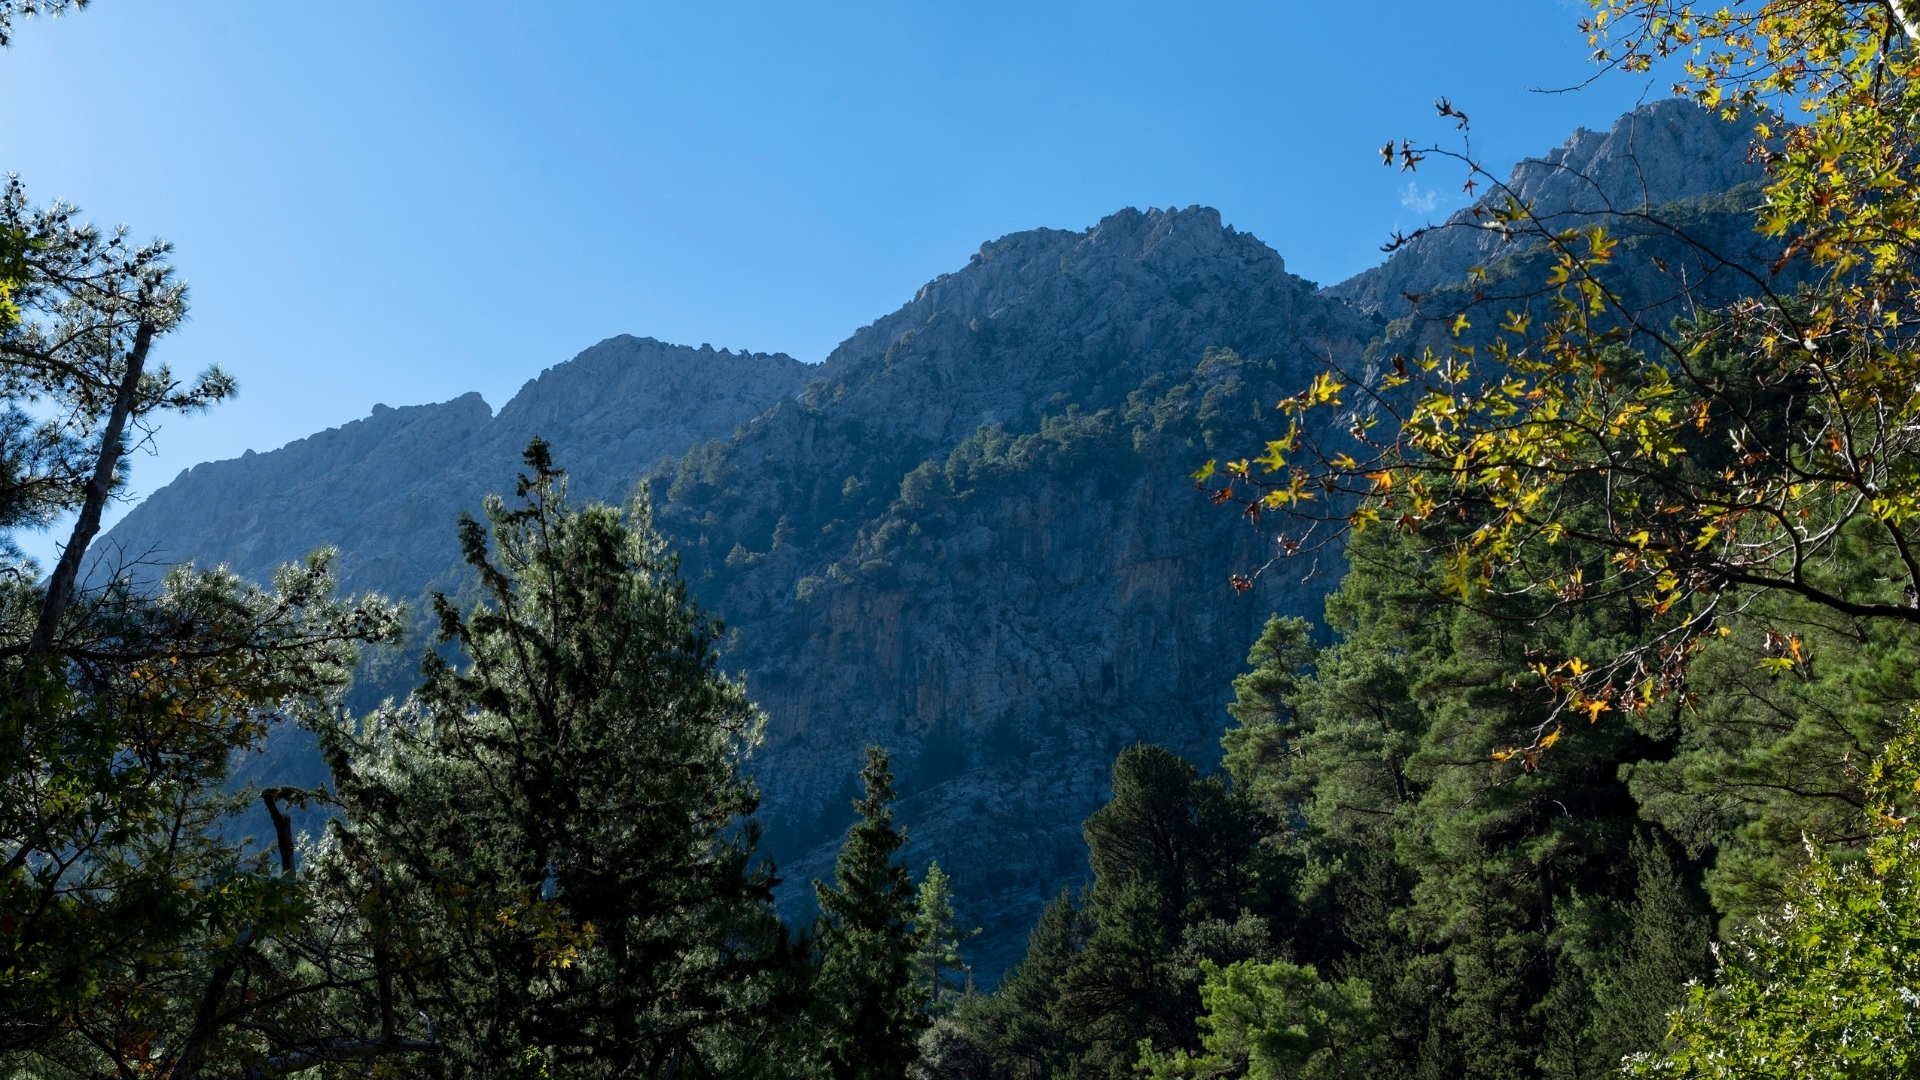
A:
x,y
1666,152
387,489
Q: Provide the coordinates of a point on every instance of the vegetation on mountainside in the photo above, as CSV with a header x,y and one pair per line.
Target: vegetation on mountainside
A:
x,y
1715,460
1676,569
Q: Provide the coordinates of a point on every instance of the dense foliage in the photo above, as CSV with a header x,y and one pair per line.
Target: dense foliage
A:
x,y
1824,986
553,827
1647,600
1763,449
138,934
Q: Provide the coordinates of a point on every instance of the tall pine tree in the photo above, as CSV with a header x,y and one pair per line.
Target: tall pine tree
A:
x,y
866,997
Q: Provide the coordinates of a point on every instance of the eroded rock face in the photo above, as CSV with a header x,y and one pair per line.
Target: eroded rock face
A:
x,y
973,540
1666,152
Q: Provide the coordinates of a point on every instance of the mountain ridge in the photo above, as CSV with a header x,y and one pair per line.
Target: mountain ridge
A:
x,y
1666,152
447,454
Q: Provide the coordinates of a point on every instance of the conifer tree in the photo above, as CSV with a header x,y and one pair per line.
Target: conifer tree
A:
x,y
1825,985
562,823
1019,1026
139,933
936,957
16,9
868,1002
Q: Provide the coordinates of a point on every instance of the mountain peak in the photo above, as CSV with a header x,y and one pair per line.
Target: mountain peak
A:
x,y
1658,154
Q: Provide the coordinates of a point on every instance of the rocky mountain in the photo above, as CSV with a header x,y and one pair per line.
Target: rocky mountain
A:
x,y
385,488
968,535
1668,152
972,540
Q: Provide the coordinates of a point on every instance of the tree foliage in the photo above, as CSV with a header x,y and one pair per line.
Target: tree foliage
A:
x,y
940,973
1760,447
1824,986
1123,962
18,9
557,826
138,933
1275,1021
866,994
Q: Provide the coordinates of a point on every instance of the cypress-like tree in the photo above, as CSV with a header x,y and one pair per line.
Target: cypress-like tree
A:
x,y
866,997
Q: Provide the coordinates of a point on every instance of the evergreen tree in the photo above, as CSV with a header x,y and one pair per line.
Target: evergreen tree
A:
x,y
1171,854
941,973
1666,947
140,932
1020,1028
1825,985
561,825
15,9
866,995
1276,1021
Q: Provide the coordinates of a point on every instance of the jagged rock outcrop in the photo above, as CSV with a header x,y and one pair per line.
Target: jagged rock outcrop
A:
x,y
1666,152
972,540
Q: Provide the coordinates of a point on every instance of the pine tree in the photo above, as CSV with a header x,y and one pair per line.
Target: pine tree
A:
x,y
1019,1026
1666,948
563,824
936,956
867,999
1169,852
140,933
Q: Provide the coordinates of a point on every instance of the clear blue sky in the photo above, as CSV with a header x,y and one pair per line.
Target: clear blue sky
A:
x,y
402,201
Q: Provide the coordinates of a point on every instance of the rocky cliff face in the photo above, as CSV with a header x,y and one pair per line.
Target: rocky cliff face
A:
x,y
972,540
967,536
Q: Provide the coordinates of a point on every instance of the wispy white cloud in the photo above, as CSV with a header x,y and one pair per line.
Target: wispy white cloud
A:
x,y
1418,199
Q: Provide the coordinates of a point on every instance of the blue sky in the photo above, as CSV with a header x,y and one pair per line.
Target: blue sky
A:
x,y
399,202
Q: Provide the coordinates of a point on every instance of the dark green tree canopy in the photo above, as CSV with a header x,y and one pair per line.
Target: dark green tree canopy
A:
x,y
560,816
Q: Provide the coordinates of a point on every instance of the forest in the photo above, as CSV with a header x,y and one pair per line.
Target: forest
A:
x,y
1602,758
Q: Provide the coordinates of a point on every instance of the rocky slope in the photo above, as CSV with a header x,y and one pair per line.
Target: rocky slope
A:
x,y
967,535
972,540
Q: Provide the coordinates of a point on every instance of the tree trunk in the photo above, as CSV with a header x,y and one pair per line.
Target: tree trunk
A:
x,y
99,488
